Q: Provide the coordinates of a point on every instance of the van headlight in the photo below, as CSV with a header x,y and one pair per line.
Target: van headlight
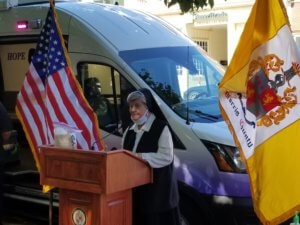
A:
x,y
227,157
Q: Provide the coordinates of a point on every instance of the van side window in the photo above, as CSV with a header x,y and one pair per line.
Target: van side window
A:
x,y
106,91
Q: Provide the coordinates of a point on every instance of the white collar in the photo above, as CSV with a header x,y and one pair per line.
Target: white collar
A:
x,y
146,126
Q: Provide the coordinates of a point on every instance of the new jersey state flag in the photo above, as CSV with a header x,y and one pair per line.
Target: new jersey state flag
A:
x,y
259,100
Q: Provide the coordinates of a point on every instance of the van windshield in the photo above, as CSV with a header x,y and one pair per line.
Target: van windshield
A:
x,y
183,77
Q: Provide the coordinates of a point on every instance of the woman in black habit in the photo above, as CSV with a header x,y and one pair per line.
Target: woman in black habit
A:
x,y
150,138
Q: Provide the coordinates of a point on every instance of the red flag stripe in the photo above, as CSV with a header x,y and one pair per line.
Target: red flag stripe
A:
x,y
57,107
88,110
51,110
63,89
29,119
34,114
38,108
65,110
81,108
85,111
41,101
39,86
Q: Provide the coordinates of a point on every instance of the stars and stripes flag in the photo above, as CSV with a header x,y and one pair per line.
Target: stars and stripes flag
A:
x,y
51,93
259,99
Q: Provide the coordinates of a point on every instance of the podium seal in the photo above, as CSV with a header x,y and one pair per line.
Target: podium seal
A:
x,y
78,217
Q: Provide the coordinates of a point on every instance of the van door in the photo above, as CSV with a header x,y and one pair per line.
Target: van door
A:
x,y
15,55
14,58
106,91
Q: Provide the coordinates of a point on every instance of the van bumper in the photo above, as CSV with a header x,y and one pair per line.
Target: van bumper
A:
x,y
233,210
208,209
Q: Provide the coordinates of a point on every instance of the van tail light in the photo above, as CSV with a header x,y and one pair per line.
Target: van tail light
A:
x,y
22,25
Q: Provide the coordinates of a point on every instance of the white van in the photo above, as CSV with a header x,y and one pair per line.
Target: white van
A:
x,y
120,50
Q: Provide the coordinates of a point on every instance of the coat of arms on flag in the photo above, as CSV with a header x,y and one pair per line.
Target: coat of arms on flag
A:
x,y
51,94
259,100
266,81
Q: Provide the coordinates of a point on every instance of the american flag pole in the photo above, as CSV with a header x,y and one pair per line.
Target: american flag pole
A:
x,y
51,207
52,4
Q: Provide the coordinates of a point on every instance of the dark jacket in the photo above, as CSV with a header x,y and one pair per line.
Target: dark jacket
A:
x,y
5,125
162,194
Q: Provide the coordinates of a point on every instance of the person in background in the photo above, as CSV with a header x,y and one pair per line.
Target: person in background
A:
x,y
101,105
5,133
150,138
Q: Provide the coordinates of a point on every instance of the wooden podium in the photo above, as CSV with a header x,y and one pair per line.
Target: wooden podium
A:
x,y
95,187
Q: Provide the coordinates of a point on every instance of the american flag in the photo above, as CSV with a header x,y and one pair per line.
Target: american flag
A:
x,y
51,93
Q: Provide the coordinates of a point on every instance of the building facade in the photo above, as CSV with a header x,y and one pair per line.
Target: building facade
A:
x,y
216,30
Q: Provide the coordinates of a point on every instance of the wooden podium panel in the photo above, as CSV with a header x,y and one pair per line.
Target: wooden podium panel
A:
x,y
112,209
95,187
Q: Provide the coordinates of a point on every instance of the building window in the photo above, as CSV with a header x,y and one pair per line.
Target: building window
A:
x,y
179,70
203,44
199,66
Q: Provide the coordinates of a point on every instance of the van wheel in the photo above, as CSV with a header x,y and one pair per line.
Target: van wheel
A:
x,y
191,213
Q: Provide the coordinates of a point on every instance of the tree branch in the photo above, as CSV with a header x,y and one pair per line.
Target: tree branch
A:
x,y
189,5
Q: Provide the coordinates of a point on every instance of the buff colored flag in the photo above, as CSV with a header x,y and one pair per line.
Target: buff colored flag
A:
x,y
259,99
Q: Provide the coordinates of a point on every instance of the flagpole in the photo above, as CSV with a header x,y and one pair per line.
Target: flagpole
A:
x,y
52,3
50,207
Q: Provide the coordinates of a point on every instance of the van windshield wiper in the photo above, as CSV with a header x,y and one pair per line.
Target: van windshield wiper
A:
x,y
206,115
